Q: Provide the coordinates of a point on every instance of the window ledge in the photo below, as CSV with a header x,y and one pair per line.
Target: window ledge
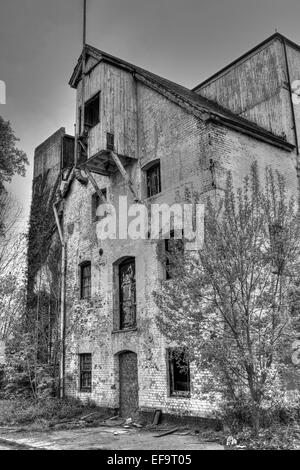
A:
x,y
180,395
124,330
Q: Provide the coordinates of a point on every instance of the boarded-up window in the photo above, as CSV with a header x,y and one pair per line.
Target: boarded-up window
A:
x,y
127,293
153,180
179,372
85,372
96,203
85,280
92,111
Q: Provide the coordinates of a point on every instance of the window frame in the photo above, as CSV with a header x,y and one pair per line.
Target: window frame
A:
x,y
96,202
110,141
82,266
122,324
149,187
87,104
172,392
83,370
167,241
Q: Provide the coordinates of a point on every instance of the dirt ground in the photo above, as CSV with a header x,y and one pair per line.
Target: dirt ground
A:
x,y
104,438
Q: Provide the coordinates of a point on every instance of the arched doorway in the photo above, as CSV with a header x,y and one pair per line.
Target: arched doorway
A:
x,y
128,380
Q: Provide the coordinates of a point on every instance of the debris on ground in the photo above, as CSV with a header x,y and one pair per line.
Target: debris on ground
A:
x,y
115,422
170,431
231,441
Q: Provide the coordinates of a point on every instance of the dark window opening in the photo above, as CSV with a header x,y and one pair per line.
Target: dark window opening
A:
x,y
110,144
96,203
92,111
174,249
153,180
179,372
85,280
127,294
85,372
68,145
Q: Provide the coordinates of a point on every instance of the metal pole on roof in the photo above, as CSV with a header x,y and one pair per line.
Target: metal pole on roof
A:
x,y
84,22
79,127
83,66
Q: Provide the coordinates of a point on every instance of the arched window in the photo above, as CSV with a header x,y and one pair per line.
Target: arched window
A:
x,y
124,299
127,293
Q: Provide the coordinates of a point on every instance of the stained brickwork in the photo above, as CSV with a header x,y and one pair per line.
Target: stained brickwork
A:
x,y
194,155
185,147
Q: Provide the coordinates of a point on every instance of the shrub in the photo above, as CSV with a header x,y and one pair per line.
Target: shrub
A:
x,y
48,411
273,438
281,410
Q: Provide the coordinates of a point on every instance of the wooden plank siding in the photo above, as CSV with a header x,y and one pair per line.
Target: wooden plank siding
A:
x,y
256,88
117,109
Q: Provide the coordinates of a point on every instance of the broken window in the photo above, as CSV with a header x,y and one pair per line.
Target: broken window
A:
x,y
153,180
174,249
92,111
96,203
85,280
179,372
110,144
85,372
127,293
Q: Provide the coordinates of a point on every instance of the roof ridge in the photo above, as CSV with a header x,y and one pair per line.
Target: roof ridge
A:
x,y
193,99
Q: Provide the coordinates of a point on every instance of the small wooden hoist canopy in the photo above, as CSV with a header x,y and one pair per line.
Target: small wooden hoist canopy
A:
x,y
106,163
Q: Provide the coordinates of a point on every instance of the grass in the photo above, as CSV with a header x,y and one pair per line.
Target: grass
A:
x,y
49,413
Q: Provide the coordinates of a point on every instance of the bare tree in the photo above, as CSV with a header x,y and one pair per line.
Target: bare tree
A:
x,y
231,305
12,265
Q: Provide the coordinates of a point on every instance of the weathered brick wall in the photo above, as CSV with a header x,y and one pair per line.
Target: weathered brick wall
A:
x,y
185,147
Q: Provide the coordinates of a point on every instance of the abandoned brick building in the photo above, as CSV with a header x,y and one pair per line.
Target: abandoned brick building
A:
x,y
143,136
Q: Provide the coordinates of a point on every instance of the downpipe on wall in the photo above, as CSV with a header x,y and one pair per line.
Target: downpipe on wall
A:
x,y
62,306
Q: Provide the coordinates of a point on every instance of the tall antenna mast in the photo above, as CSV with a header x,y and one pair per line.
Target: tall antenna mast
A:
x,y
83,61
84,23
81,116
83,66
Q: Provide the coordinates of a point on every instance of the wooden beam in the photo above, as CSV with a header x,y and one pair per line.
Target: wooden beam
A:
x,y
125,175
95,185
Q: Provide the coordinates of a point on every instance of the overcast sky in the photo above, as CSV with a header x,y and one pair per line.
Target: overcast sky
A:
x,y
183,40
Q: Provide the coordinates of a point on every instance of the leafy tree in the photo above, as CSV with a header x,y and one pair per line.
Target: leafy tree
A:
x,y
12,160
231,304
